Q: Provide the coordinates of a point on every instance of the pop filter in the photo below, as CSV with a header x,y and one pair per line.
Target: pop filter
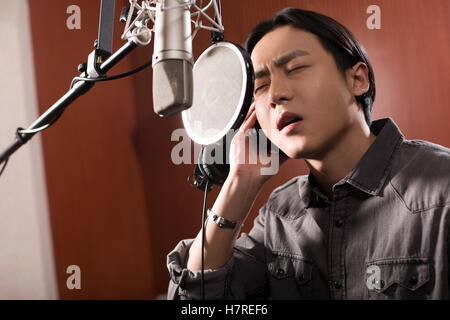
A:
x,y
223,91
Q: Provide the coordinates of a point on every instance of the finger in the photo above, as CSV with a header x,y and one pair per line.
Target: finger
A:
x,y
250,110
250,122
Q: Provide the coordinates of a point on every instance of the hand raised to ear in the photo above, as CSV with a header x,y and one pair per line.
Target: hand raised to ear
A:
x,y
246,160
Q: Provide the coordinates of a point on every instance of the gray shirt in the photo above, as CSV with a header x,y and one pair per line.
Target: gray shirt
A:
x,y
384,235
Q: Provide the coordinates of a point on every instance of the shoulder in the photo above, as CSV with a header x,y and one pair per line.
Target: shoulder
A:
x,y
421,174
285,200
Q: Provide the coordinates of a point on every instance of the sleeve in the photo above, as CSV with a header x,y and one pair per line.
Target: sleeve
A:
x,y
448,258
242,277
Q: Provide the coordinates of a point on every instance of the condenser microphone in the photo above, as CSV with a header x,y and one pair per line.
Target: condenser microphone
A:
x,y
172,58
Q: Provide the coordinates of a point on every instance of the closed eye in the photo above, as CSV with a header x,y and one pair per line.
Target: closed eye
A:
x,y
260,88
294,69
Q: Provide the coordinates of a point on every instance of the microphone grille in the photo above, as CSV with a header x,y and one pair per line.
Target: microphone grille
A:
x,y
172,86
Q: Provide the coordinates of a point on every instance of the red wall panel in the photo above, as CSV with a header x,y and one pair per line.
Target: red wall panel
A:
x,y
99,212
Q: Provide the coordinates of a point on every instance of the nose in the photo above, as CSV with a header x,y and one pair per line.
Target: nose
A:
x,y
280,90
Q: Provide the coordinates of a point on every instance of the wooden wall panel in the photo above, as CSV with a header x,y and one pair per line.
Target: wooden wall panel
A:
x,y
98,208
119,204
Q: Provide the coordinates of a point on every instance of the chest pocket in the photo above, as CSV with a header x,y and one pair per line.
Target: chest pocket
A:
x,y
407,278
289,277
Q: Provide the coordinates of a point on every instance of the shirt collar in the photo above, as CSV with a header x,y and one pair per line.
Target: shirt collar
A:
x,y
311,193
371,172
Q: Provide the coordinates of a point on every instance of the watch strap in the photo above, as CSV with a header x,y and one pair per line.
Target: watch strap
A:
x,y
221,221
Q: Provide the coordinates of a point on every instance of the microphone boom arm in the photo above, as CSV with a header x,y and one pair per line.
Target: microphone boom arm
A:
x,y
100,61
53,113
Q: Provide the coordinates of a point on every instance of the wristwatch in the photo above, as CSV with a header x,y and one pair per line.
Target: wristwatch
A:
x,y
220,221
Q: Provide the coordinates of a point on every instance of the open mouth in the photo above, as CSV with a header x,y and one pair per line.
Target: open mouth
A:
x,y
288,121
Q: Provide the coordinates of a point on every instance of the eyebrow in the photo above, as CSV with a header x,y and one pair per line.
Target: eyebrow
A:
x,y
281,62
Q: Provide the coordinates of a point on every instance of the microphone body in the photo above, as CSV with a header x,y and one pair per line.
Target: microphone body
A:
x,y
172,58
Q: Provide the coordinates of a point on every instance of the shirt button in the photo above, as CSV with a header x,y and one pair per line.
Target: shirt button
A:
x,y
339,223
380,284
301,277
280,272
337,285
413,280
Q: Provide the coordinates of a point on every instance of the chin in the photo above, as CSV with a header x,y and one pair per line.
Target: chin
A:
x,y
296,151
296,155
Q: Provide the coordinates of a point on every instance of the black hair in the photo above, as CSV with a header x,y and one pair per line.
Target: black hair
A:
x,y
334,37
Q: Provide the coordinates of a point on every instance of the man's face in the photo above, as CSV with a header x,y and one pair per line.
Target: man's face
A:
x,y
303,102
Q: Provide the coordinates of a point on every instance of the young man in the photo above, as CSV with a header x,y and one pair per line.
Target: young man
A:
x,y
370,221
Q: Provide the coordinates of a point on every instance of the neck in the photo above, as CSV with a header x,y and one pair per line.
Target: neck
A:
x,y
339,160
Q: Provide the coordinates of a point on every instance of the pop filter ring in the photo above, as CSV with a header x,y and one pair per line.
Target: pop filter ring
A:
x,y
216,173
212,75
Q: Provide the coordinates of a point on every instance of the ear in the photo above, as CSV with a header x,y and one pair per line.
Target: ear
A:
x,y
358,78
